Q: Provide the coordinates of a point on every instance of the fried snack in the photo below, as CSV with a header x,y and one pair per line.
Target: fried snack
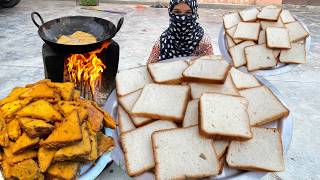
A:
x,y
45,157
6,169
40,90
95,117
65,89
4,137
39,82
26,170
10,108
108,121
105,143
69,132
40,109
77,38
79,150
15,158
67,107
76,95
14,95
24,142
64,170
14,130
94,151
35,127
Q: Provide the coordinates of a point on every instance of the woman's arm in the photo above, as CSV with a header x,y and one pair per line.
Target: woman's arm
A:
x,y
154,55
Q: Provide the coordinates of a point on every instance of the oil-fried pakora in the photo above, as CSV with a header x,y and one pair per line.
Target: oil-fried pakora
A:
x,y
69,132
35,127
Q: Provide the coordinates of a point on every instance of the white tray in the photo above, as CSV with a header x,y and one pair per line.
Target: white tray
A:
x,y
285,125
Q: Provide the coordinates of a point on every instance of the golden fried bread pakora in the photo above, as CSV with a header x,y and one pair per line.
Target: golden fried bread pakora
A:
x,y
6,169
108,121
45,157
14,95
4,136
26,170
35,127
15,158
67,107
64,170
94,151
39,82
105,143
40,109
14,130
79,150
69,132
65,89
10,108
95,117
24,142
41,90
76,95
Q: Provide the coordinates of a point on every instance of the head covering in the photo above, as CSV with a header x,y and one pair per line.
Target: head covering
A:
x,y
183,34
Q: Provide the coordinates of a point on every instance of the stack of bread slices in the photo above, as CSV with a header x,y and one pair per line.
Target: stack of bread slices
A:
x,y
185,119
261,38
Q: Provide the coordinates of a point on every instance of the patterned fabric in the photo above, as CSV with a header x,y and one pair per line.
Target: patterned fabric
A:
x,y
183,34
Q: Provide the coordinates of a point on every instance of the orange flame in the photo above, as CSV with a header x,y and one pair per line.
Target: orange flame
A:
x,y
86,68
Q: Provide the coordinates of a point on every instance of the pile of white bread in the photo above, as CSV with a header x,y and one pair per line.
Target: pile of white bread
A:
x,y
260,38
179,118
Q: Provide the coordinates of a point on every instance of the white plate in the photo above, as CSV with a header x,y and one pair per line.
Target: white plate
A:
x,y
279,69
285,125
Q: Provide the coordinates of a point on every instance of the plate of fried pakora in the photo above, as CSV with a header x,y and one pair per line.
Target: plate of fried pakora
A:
x,y
49,132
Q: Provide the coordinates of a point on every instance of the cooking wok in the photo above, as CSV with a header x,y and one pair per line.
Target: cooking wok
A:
x,y
50,31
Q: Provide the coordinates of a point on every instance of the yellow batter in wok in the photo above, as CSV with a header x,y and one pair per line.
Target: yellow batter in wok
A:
x,y
77,38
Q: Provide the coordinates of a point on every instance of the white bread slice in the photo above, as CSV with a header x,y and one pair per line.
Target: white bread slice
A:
x,y
297,54
230,20
159,101
191,116
266,24
243,80
230,42
296,31
270,6
231,32
270,14
127,103
262,37
286,17
302,41
249,14
124,120
130,80
263,152
207,71
237,53
278,38
247,31
221,147
197,89
224,116
137,146
259,57
264,106
167,72
182,154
